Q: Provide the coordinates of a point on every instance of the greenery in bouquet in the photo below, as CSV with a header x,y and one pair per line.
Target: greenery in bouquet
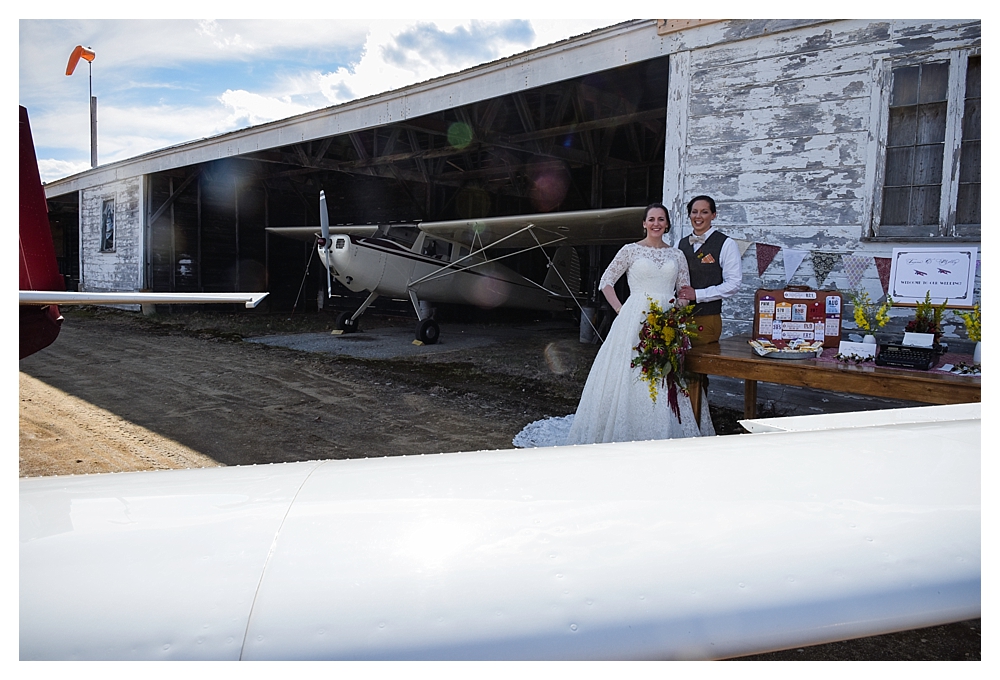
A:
x,y
928,317
664,340
973,323
868,315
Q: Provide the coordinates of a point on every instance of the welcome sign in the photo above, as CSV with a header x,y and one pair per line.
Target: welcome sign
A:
x,y
945,272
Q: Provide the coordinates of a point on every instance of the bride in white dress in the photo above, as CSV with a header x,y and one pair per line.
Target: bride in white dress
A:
x,y
615,405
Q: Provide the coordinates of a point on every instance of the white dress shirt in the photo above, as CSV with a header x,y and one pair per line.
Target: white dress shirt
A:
x,y
732,272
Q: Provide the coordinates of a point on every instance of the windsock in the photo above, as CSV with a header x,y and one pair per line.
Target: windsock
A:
x,y
74,58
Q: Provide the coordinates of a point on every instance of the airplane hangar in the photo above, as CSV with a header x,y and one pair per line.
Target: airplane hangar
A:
x,y
794,126
541,131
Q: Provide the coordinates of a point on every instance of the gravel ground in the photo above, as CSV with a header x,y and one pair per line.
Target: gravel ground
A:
x,y
120,391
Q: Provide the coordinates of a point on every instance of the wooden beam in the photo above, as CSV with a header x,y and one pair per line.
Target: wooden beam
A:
x,y
173,196
600,123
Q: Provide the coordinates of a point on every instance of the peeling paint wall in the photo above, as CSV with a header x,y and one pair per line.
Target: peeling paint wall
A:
x,y
120,270
779,129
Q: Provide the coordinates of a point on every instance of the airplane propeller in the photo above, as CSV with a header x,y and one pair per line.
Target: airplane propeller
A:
x,y
324,226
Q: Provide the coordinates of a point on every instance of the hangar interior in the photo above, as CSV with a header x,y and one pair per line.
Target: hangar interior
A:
x,y
595,141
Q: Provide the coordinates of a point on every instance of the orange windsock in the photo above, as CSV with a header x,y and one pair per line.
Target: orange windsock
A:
x,y
74,58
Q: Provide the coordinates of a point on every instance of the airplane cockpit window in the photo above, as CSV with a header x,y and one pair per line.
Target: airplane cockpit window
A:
x,y
403,234
436,248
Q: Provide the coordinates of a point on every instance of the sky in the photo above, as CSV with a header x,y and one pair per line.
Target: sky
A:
x,y
162,82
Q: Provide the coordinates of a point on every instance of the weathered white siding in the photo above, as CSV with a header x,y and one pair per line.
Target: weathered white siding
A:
x,y
120,270
782,130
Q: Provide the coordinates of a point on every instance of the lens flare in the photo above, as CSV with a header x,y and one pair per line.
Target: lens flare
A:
x,y
549,184
459,135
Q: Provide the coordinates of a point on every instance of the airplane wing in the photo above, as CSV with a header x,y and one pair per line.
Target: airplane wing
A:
x,y
696,548
578,227
311,233
46,297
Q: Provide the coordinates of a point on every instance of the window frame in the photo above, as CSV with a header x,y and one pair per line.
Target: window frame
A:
x,y
958,65
108,240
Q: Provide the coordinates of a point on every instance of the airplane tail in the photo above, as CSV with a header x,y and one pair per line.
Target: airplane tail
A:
x,y
39,325
563,277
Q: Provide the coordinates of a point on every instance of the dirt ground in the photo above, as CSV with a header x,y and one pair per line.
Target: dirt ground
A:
x,y
119,391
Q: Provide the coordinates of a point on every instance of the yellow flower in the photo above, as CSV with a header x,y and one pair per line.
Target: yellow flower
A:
x,y
973,323
859,317
668,335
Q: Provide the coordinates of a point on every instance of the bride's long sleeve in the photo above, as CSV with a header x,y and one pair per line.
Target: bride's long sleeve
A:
x,y
619,265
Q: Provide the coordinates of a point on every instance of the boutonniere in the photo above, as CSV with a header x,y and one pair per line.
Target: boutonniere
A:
x,y
708,259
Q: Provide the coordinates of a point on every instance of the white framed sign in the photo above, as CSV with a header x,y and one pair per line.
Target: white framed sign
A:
x,y
945,272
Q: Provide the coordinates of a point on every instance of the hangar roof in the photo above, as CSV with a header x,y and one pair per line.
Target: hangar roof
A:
x,y
598,50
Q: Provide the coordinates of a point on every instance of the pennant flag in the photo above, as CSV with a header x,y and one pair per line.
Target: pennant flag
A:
x,y
823,264
742,245
793,259
884,266
765,256
854,267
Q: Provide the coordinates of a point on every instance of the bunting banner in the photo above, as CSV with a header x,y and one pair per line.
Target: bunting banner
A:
x,y
884,266
823,264
793,260
854,267
765,255
743,245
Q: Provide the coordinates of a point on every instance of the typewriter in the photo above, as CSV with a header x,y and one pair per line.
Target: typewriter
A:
x,y
906,356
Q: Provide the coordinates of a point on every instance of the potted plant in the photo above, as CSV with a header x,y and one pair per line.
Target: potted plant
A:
x,y
867,315
974,329
928,319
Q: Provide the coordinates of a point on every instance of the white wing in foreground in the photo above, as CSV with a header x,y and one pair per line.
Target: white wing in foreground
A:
x,y
680,549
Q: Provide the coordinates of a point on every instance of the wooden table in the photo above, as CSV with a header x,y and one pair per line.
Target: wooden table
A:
x,y
733,358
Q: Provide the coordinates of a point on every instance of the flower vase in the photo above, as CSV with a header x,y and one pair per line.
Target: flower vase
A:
x,y
869,339
976,354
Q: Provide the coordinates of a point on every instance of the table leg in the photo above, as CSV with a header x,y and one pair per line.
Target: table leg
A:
x,y
694,388
749,398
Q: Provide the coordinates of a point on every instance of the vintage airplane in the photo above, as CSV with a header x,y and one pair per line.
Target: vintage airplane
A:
x,y
42,286
449,262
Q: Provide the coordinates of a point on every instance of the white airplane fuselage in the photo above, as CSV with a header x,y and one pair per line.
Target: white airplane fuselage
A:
x,y
390,269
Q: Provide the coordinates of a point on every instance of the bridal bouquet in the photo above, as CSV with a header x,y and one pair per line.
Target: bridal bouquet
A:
x,y
664,340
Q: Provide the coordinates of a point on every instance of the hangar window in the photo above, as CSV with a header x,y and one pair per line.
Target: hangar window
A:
x,y
931,172
108,226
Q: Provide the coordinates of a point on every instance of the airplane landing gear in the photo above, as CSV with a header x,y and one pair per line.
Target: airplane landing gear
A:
x,y
428,331
346,324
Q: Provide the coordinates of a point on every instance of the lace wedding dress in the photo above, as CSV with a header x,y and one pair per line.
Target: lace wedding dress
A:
x,y
615,405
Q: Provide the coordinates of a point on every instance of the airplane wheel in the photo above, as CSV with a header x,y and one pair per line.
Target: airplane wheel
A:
x,y
345,324
428,331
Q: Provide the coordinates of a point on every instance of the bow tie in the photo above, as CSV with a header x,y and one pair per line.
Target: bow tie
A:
x,y
697,240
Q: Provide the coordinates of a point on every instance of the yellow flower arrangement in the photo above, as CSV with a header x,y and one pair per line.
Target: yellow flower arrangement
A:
x,y
664,339
867,316
973,323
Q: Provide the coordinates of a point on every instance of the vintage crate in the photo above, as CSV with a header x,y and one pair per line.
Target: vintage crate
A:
x,y
798,312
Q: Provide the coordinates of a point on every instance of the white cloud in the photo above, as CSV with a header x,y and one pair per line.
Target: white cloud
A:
x,y
51,168
248,108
